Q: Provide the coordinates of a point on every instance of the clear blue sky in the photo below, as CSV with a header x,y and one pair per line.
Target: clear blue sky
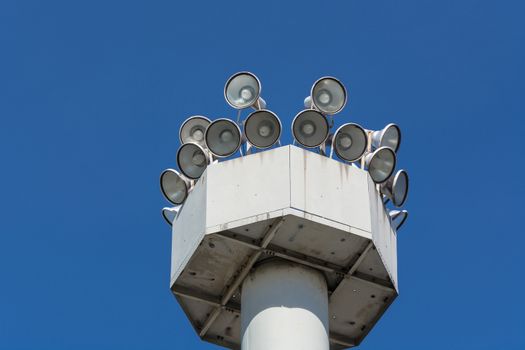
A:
x,y
92,94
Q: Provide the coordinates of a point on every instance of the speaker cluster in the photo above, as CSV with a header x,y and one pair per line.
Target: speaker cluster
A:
x,y
204,141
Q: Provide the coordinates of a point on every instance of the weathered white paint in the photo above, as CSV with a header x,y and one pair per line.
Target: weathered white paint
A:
x,y
248,186
284,307
188,228
385,240
329,188
278,182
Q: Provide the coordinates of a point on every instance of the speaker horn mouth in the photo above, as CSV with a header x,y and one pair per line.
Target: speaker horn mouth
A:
x,y
400,184
389,136
394,215
192,160
193,129
396,188
174,187
381,164
350,142
262,128
169,214
242,90
223,137
328,95
310,128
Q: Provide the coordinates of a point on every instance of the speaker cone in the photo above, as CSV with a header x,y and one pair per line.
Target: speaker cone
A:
x,y
242,90
396,188
310,128
389,136
328,95
398,218
262,128
381,164
192,160
173,186
169,214
223,137
350,142
193,129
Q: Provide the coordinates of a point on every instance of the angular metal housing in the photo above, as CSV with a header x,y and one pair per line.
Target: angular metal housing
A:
x,y
291,204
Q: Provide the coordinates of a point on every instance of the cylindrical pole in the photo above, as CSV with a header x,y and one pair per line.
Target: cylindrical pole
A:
x,y
284,307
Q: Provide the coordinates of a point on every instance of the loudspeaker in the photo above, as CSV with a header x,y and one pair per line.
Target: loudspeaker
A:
x,y
173,186
398,218
223,137
169,214
262,128
389,136
328,95
380,164
396,188
192,160
193,129
350,142
310,128
243,90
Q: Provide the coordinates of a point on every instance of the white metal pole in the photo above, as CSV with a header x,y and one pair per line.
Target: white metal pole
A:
x,y
284,307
